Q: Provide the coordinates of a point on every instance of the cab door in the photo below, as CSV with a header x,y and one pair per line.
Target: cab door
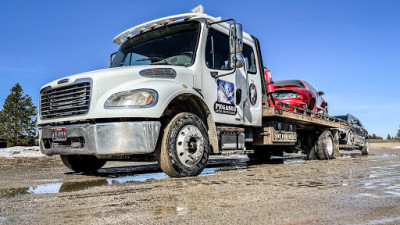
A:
x,y
224,94
252,108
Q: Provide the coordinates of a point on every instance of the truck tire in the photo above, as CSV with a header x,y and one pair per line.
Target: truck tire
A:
x,y
325,146
311,154
308,147
260,154
184,146
82,163
365,148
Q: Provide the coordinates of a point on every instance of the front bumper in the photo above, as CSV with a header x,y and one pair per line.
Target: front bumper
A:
x,y
119,138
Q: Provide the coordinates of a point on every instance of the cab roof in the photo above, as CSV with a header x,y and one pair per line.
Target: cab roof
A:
x,y
194,14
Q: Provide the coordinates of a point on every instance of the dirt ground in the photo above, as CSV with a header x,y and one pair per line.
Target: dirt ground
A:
x,y
351,189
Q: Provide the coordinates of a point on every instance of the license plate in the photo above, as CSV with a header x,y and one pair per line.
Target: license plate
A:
x,y
284,136
59,134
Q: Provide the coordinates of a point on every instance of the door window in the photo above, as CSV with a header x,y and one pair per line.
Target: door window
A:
x,y
217,51
249,56
218,55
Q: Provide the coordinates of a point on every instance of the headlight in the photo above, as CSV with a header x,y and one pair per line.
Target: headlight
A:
x,y
135,99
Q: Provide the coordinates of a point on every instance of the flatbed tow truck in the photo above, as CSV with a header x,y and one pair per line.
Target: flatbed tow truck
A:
x,y
179,89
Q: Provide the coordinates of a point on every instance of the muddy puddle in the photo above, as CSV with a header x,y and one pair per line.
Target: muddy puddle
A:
x,y
358,155
383,181
54,188
120,175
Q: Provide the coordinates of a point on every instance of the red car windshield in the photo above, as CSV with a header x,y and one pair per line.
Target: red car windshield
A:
x,y
281,94
289,83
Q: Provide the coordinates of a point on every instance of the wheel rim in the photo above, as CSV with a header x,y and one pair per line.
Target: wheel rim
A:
x,y
190,145
329,147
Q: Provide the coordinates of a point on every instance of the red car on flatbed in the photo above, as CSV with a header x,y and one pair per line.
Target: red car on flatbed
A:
x,y
300,94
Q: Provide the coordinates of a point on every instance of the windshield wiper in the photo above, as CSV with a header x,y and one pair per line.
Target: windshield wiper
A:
x,y
151,58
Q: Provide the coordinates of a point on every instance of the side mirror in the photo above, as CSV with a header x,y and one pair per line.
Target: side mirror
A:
x,y
236,45
236,37
112,57
239,63
320,93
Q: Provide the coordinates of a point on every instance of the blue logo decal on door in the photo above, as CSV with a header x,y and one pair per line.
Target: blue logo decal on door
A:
x,y
225,98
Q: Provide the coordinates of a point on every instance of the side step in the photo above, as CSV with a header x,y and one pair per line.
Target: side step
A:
x,y
236,152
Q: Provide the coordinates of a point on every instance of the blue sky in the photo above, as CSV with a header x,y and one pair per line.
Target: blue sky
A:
x,y
350,49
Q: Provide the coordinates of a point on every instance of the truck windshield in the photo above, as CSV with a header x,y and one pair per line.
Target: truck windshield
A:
x,y
168,45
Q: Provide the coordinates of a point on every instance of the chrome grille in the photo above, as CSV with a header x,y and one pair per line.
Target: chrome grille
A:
x,y
69,100
159,72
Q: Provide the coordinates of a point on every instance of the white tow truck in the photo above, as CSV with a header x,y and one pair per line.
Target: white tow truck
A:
x,y
179,89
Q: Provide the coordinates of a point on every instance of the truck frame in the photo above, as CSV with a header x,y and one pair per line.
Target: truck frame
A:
x,y
179,89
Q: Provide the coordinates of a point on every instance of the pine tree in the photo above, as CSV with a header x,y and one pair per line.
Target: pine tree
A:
x,y
398,134
388,137
18,117
374,136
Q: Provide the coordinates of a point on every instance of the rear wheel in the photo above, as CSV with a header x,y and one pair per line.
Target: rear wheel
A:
x,y
365,148
325,145
308,146
82,163
311,155
185,146
350,138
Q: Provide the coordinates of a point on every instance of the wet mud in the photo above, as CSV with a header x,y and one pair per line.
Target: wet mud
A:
x,y
352,189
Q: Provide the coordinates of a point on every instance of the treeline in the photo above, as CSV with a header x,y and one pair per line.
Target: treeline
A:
x,y
388,137
18,119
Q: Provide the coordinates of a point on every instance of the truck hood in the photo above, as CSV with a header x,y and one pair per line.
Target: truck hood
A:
x,y
107,82
115,76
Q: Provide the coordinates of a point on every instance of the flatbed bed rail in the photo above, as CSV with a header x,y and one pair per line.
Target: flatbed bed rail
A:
x,y
304,119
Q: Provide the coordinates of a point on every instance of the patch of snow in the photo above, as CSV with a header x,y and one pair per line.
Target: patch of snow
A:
x,y
21,151
397,147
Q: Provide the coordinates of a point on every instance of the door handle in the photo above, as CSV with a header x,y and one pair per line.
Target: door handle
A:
x,y
238,96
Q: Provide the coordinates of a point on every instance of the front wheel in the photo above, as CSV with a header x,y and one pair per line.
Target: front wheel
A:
x,y
82,163
365,148
185,146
